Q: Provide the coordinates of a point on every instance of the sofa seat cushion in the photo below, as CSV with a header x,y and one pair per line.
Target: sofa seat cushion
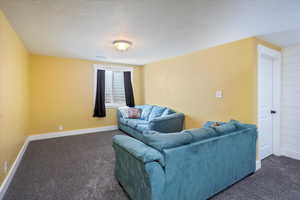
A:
x,y
157,111
202,133
142,127
133,123
162,141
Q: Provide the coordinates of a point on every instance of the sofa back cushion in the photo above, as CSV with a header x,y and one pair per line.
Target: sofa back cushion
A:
x,y
202,133
167,111
162,141
152,111
210,124
240,125
225,128
146,110
157,111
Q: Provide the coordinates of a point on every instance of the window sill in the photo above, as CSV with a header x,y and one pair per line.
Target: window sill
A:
x,y
114,105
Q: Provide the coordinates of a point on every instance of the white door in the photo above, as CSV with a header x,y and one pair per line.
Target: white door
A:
x,y
265,115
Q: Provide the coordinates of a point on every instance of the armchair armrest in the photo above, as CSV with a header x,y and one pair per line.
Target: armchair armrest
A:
x,y
168,124
138,149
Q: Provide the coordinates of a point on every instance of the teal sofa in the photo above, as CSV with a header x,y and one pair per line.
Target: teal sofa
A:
x,y
189,165
153,118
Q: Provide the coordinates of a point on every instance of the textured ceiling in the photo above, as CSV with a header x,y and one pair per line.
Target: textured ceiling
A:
x,y
158,28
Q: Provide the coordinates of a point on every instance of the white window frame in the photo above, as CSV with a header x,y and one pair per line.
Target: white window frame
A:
x,y
110,68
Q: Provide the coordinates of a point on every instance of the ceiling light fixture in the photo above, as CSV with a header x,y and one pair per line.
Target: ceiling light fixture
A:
x,y
122,45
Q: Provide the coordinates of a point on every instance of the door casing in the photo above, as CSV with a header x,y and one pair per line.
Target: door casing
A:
x,y
276,56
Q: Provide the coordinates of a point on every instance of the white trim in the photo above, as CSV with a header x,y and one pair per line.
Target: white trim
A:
x,y
268,51
70,133
291,153
13,170
276,55
258,165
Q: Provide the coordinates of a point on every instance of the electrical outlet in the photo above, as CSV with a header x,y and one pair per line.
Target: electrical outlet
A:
x,y
60,127
219,94
5,167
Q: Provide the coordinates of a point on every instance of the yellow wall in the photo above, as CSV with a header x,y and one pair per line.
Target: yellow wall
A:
x,y
13,93
188,83
61,89
62,94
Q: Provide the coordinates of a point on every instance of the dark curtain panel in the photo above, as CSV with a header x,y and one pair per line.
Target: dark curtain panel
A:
x,y
99,110
128,89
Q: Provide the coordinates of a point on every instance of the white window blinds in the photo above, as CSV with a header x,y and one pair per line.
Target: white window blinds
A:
x,y
114,88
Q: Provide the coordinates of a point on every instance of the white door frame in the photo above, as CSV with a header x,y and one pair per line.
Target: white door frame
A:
x,y
276,55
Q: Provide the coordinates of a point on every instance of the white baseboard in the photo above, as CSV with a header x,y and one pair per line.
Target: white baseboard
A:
x,y
16,163
70,133
258,165
13,170
291,153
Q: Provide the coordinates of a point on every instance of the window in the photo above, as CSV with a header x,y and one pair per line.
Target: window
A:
x,y
114,85
114,88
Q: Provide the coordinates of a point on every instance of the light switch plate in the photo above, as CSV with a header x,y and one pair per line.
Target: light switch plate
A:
x,y
60,127
219,94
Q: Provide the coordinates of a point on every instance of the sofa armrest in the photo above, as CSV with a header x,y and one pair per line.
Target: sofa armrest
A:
x,y
168,124
119,115
138,168
138,149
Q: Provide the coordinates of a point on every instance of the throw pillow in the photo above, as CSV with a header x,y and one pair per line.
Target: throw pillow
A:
x,y
134,113
130,113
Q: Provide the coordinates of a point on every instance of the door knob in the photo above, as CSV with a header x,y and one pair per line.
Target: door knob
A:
x,y
273,111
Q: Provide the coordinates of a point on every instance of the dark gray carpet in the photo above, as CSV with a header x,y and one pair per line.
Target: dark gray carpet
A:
x,y
81,168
